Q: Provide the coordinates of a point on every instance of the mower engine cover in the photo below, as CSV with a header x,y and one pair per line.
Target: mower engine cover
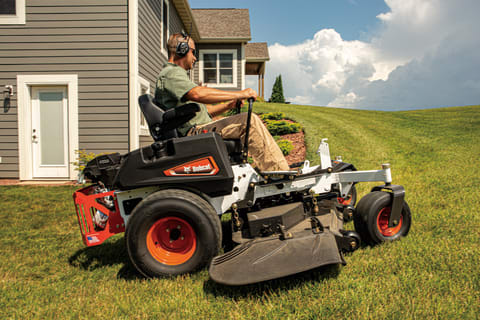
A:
x,y
199,162
103,168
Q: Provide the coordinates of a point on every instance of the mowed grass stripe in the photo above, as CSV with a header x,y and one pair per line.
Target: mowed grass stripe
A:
x,y
47,273
343,131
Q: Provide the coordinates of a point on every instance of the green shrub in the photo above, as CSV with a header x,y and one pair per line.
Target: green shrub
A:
x,y
281,127
286,146
229,113
272,116
83,157
277,91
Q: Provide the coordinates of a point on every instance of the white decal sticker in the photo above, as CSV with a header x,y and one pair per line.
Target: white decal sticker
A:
x,y
303,183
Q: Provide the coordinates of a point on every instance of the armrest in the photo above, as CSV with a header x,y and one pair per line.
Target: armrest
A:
x,y
181,111
175,117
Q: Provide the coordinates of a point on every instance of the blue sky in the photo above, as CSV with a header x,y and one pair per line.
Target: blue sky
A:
x,y
295,23
368,54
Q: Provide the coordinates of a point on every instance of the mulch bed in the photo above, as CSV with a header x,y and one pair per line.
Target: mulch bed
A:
x,y
299,151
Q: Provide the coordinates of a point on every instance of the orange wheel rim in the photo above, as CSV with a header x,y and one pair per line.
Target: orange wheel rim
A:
x,y
171,241
382,223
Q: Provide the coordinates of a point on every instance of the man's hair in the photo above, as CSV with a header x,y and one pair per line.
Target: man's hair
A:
x,y
173,42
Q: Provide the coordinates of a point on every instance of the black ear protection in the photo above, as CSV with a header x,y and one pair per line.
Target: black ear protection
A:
x,y
183,47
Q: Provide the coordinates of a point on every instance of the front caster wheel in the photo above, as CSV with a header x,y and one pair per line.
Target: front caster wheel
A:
x,y
353,241
350,199
372,215
172,232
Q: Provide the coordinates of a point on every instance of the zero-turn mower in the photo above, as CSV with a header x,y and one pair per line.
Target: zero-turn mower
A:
x,y
168,198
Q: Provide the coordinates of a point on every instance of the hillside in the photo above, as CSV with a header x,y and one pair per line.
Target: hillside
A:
x,y
46,272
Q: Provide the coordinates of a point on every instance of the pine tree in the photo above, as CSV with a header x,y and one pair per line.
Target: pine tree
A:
x,y
277,91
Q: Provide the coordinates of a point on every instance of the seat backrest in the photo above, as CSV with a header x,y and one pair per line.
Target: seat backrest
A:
x,y
163,123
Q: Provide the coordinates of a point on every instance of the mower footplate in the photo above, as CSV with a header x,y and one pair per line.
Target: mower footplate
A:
x,y
268,258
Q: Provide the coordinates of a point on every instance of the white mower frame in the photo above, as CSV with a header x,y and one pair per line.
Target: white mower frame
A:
x,y
246,180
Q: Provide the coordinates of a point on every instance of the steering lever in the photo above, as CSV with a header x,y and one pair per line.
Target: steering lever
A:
x,y
238,106
247,129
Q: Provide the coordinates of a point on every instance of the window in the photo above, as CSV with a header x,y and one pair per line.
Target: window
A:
x,y
12,11
144,88
218,68
165,29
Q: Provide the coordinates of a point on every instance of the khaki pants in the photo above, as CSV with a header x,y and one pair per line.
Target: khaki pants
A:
x,y
262,147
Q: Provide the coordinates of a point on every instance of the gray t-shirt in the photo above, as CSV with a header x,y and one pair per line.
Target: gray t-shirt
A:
x,y
172,85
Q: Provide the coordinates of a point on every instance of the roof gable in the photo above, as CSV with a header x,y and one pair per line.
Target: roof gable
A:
x,y
223,24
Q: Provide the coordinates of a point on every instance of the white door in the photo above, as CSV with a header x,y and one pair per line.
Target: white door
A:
x,y
50,132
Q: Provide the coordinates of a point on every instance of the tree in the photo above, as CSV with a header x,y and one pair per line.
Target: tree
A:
x,y
277,91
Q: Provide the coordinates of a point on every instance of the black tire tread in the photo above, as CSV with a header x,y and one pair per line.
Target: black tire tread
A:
x,y
366,216
185,196
359,218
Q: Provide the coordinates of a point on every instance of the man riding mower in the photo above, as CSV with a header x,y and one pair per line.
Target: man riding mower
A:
x,y
169,196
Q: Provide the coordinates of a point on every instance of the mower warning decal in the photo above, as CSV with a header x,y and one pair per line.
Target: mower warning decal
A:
x,y
201,167
92,239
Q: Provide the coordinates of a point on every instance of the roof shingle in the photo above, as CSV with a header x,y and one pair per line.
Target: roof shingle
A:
x,y
256,51
223,23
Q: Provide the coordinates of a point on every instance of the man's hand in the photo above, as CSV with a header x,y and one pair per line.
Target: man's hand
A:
x,y
249,93
233,104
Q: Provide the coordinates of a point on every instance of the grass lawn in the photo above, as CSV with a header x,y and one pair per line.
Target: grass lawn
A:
x,y
47,273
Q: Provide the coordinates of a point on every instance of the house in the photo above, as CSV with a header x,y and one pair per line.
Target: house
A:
x,y
76,70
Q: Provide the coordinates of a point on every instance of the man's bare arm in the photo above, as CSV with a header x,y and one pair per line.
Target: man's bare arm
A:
x,y
211,95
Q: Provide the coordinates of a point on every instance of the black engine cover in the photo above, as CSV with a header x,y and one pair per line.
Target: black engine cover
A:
x,y
103,168
200,162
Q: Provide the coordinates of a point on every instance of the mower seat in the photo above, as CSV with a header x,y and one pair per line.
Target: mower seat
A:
x,y
163,124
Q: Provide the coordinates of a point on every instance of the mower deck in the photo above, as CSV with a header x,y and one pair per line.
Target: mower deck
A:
x,y
275,256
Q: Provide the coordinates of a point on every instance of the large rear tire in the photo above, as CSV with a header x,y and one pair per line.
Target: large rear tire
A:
x,y
172,232
372,215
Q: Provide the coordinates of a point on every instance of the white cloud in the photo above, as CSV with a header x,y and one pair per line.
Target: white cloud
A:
x,y
425,55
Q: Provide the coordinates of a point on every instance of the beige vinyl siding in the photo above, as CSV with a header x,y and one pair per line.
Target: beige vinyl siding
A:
x,y
222,46
176,24
87,38
151,58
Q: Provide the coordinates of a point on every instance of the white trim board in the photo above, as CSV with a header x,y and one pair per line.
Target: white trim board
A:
x,y
24,83
163,44
144,131
243,66
134,120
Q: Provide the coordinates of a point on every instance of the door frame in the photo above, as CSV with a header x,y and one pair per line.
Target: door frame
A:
x,y
24,111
